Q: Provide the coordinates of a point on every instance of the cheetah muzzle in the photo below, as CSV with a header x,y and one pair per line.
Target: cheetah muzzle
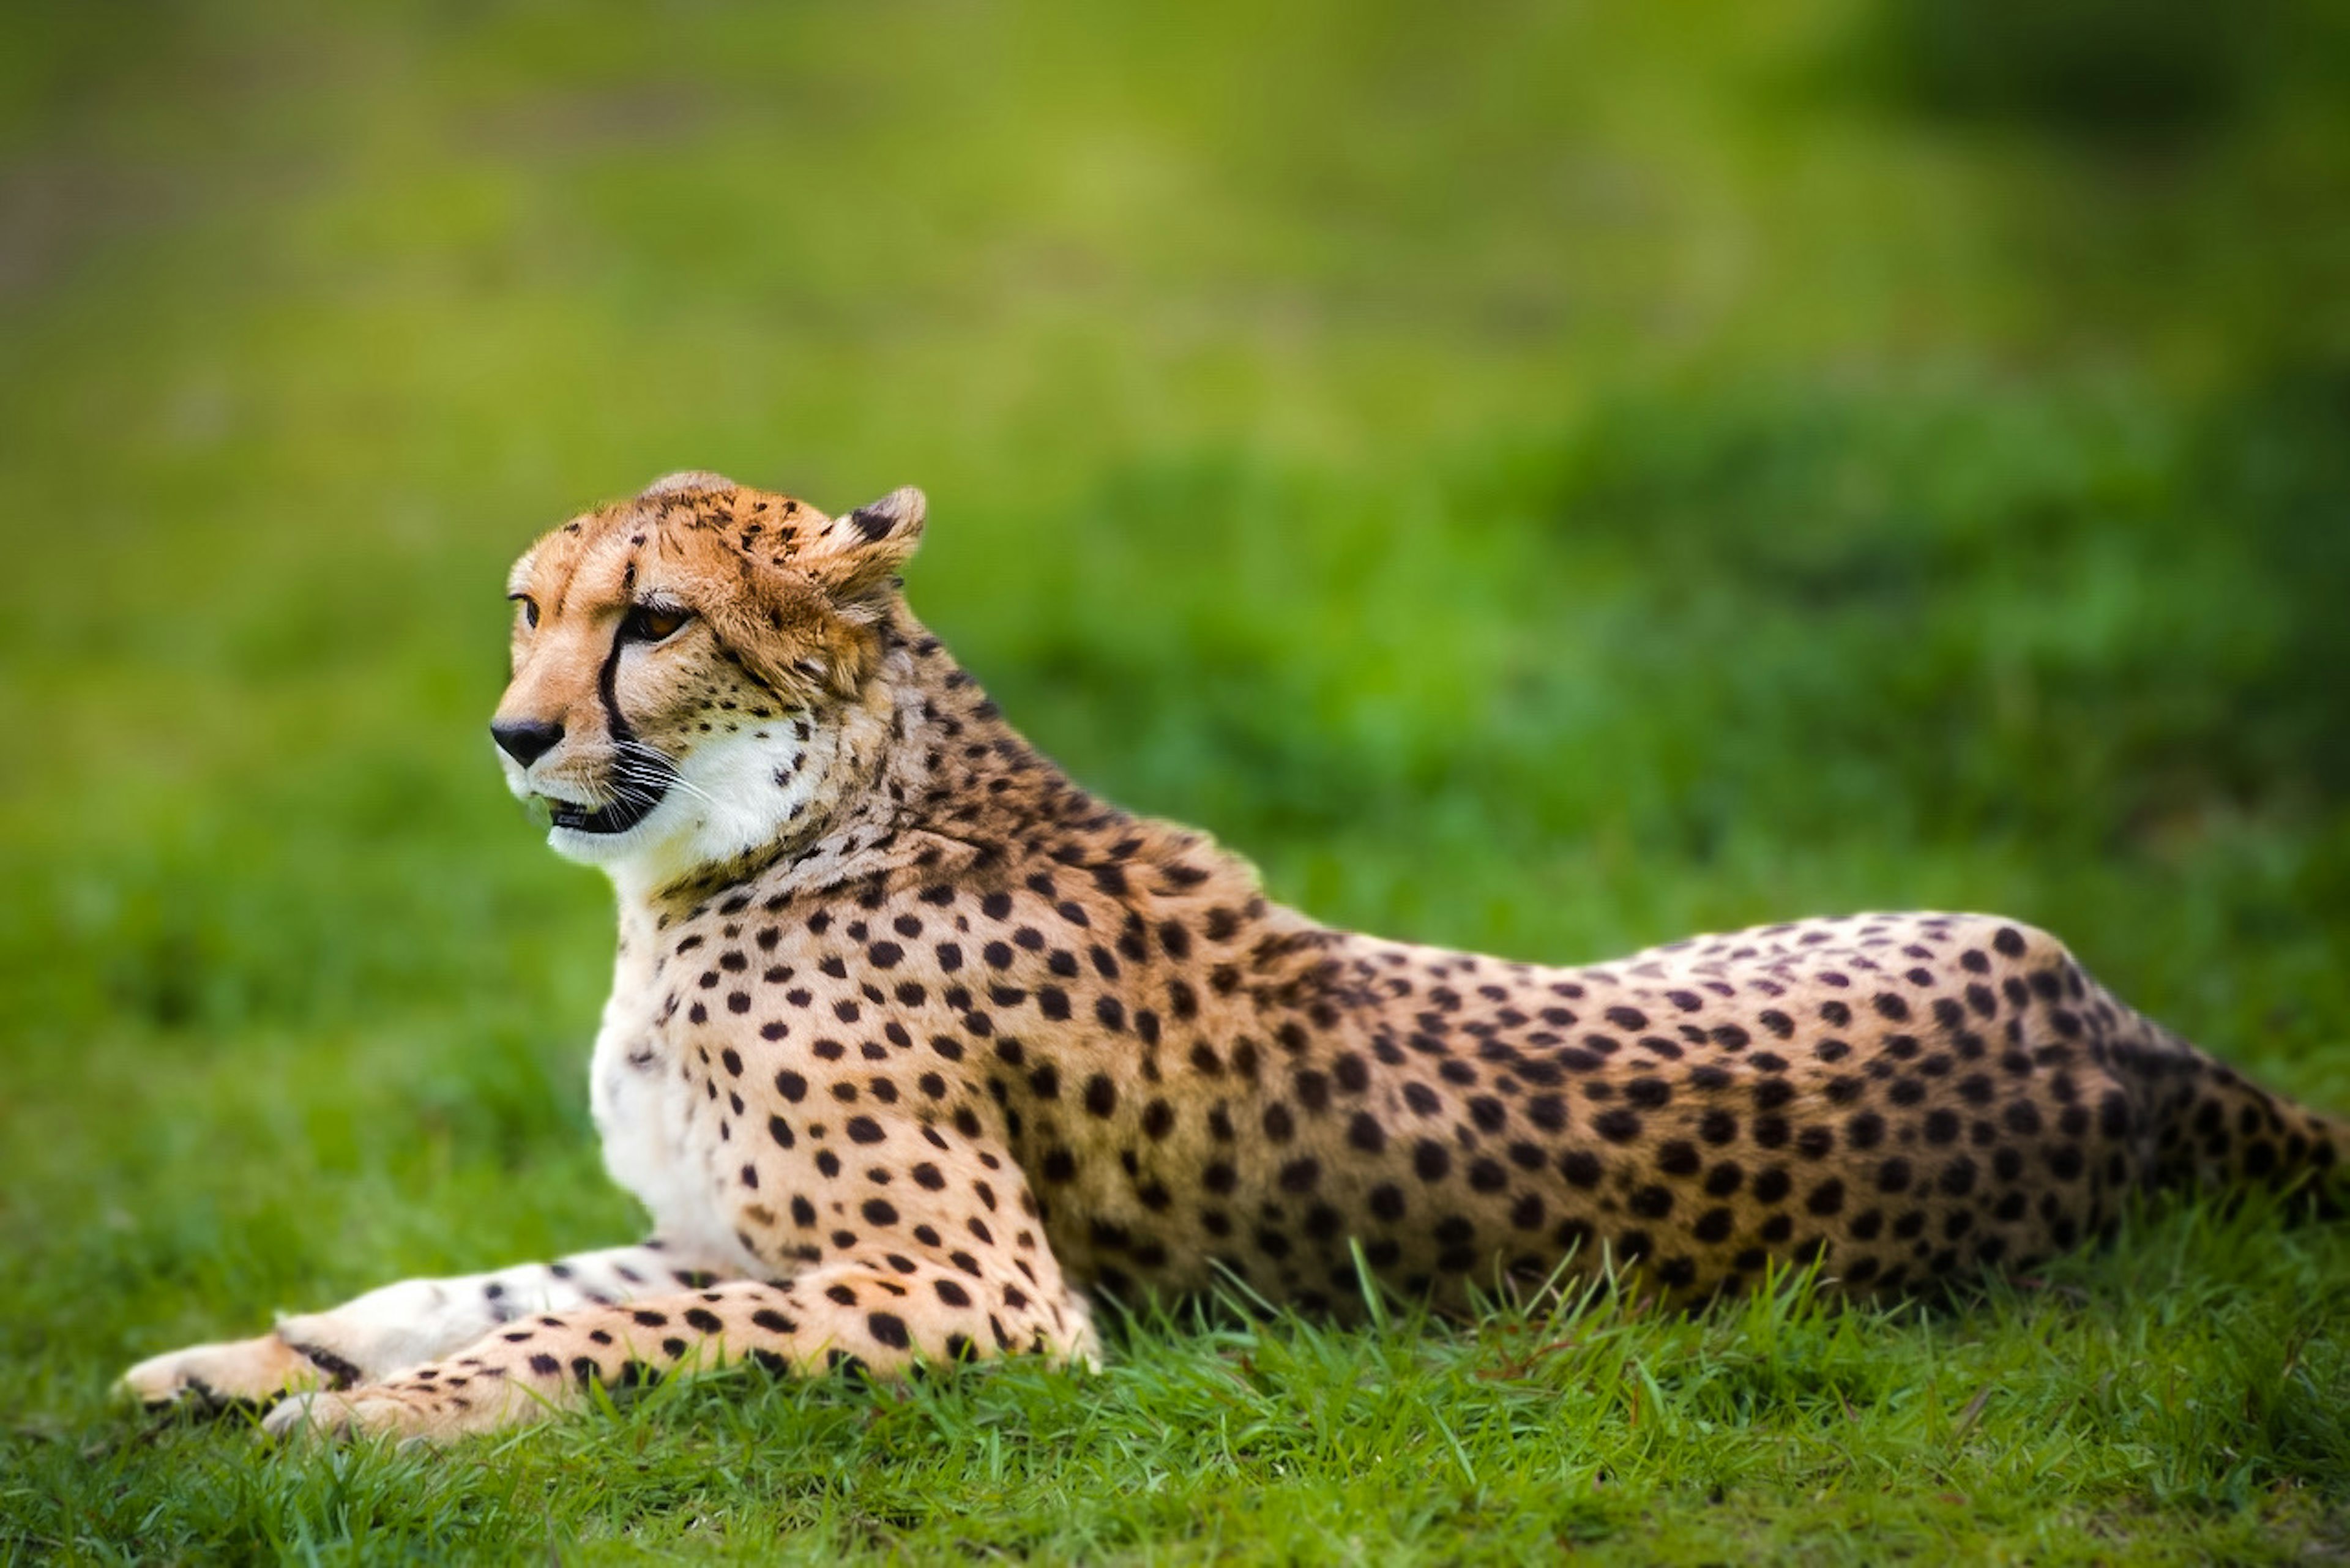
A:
x,y
639,786
914,1046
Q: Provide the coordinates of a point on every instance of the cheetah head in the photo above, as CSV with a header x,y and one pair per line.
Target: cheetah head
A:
x,y
693,669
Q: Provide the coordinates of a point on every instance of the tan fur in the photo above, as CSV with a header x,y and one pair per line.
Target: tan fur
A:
x,y
940,1043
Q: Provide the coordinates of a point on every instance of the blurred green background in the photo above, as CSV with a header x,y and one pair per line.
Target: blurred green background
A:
x,y
1544,478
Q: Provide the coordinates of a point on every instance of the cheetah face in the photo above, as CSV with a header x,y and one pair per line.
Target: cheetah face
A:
x,y
690,669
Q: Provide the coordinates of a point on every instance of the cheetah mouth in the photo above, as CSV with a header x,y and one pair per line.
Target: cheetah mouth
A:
x,y
617,817
638,787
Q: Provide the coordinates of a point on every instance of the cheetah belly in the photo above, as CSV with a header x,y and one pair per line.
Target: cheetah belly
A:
x,y
643,1107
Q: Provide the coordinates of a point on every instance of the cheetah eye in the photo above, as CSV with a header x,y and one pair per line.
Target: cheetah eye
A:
x,y
529,608
653,623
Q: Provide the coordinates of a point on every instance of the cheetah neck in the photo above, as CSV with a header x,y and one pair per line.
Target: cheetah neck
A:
x,y
924,773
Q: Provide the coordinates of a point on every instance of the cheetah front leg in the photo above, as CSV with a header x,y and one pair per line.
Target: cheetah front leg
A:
x,y
406,1323
885,1316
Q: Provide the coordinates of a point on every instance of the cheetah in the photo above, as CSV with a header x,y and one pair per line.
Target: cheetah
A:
x,y
914,1046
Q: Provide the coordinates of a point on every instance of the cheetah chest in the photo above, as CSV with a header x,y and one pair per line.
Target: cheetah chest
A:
x,y
645,1107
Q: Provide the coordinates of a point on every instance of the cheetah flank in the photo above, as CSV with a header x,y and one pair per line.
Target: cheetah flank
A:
x,y
913,1043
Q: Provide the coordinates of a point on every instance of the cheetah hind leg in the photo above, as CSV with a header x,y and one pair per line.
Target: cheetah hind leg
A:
x,y
882,1320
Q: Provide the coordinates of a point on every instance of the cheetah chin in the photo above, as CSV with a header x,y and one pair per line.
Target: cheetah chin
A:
x,y
915,1047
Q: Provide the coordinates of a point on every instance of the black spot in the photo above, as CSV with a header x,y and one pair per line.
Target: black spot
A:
x,y
2114,1115
1616,1126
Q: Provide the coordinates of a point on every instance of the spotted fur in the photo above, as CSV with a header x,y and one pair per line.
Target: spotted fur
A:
x,y
914,1045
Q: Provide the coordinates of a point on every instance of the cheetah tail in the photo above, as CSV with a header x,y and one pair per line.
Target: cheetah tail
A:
x,y
2215,1130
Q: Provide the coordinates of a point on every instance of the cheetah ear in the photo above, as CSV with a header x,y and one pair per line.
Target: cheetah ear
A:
x,y
855,557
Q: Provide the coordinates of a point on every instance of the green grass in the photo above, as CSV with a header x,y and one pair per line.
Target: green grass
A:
x,y
1546,483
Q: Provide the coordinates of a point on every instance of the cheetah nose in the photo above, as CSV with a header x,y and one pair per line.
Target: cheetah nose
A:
x,y
525,740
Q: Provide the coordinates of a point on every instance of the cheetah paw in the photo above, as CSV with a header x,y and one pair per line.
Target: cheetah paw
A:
x,y
241,1371
324,1416
399,1411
